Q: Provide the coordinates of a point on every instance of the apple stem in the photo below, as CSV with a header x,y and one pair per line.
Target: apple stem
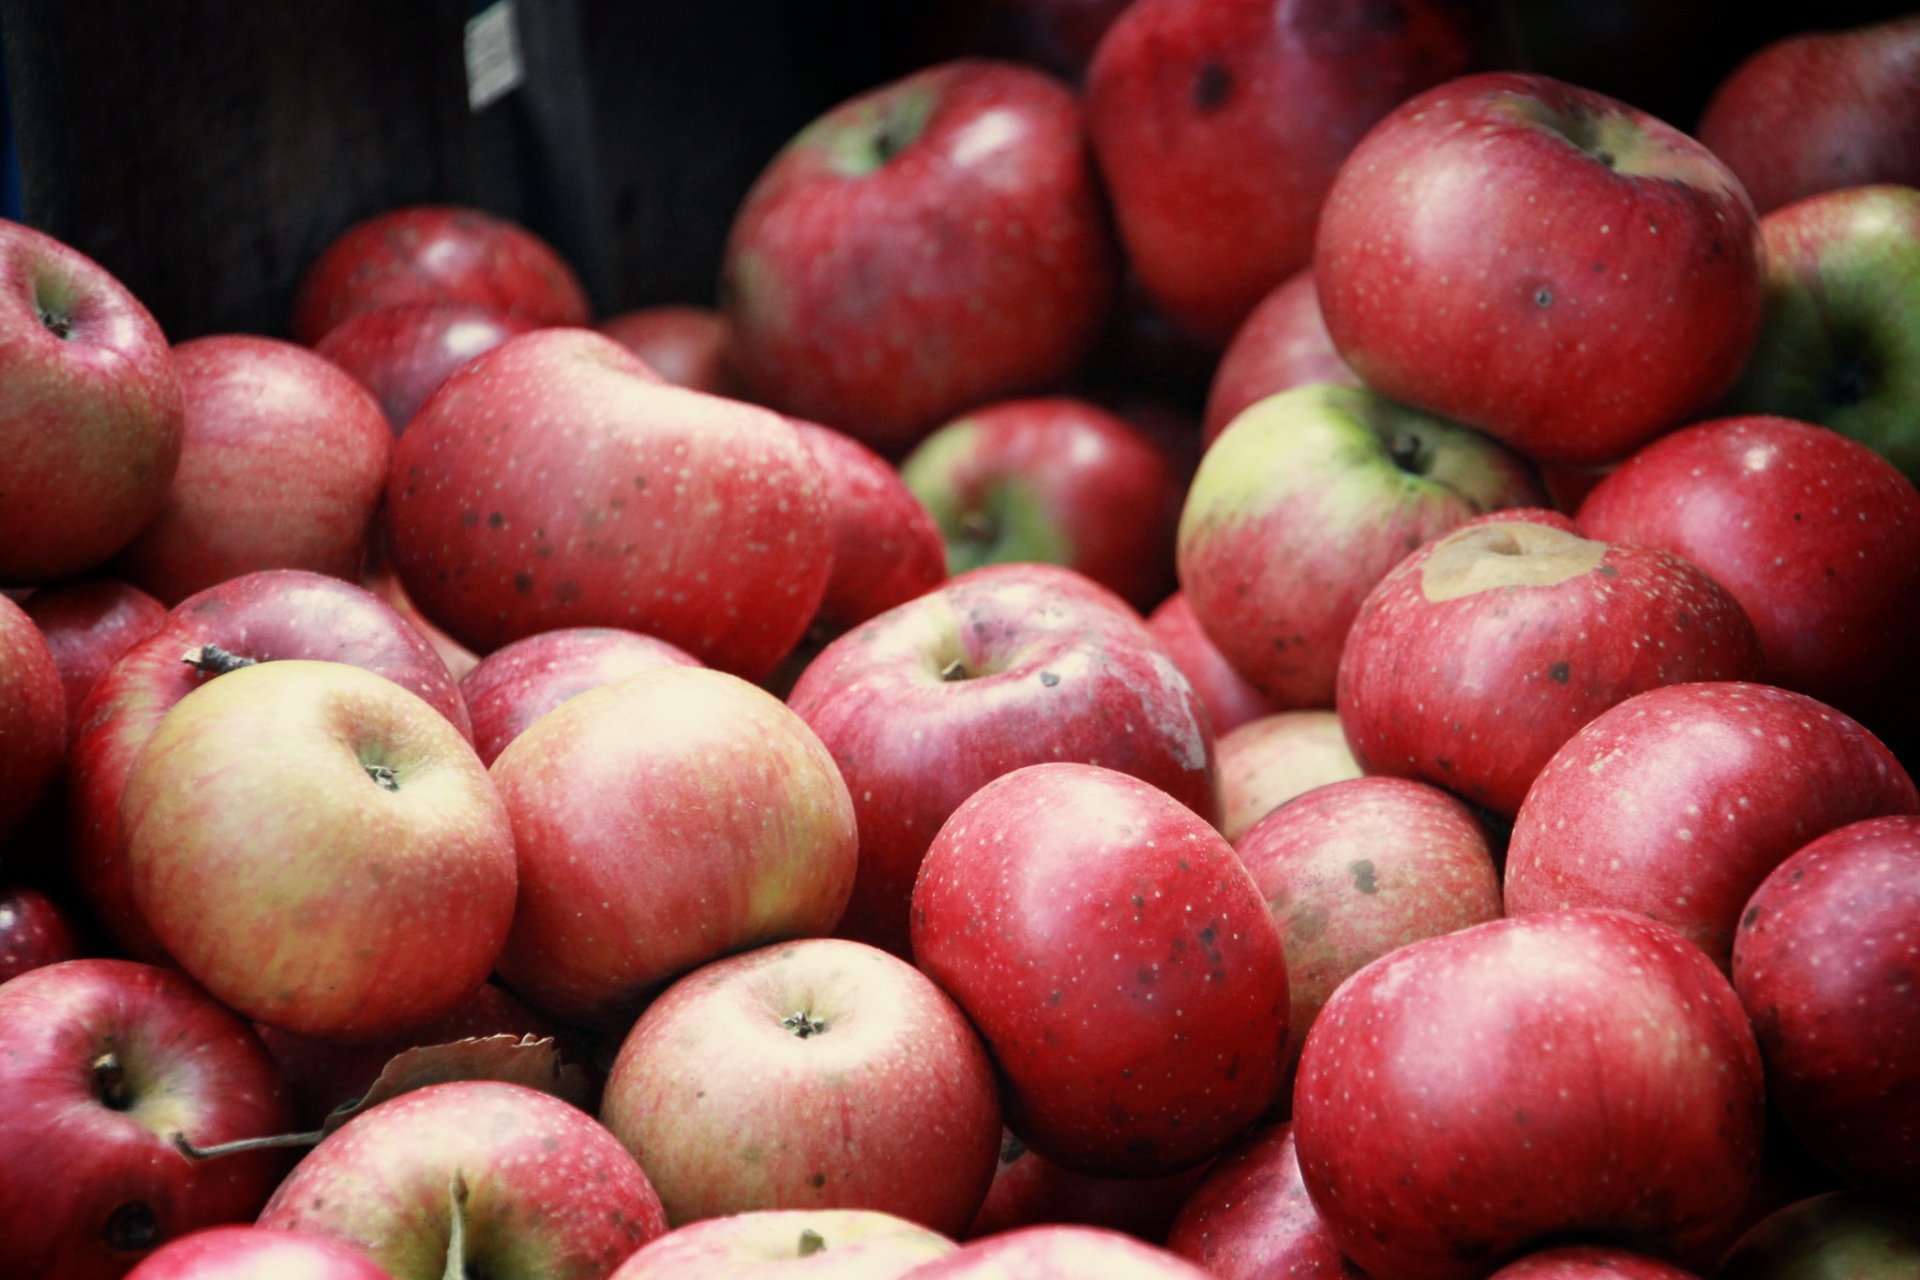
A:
x,y
812,1242
457,1229
804,1024
110,1077
240,1146
215,661
955,670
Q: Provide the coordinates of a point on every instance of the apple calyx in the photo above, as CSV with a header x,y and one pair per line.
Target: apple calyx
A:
x,y
456,1228
811,1242
110,1082
58,325
1507,554
212,660
1410,452
804,1024
383,775
132,1228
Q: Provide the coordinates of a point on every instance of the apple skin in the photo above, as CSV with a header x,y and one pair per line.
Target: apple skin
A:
x,y
92,421
1490,1089
1050,666
1118,961
685,345
1838,1235
250,1253
1230,701
1823,962
767,1244
1058,1252
673,817
1052,480
1282,344
1727,780
1816,536
1481,653
403,353
1304,503
276,613
551,1195
1840,342
87,624
282,464
819,1074
1472,262
432,254
1252,1218
518,683
89,1176
33,717
35,931
1030,1190
556,481
1219,126
886,547
1821,110
378,578
1588,1262
1267,762
930,245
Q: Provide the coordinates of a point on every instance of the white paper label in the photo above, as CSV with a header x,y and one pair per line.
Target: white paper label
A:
x,y
494,68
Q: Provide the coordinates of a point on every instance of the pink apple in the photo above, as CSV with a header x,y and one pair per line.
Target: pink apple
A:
x,y
1267,762
1471,1096
1029,1190
1230,701
403,353
1252,1218
35,931
1058,1252
1590,1262
768,1244
886,547
92,418
33,717
685,345
87,624
1282,344
255,1253
930,245
1544,262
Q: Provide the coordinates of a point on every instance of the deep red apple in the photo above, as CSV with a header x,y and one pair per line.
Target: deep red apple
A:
x,y
1056,1252
1030,1190
772,1244
87,624
255,1253
1282,344
886,547
34,931
1590,1262
1252,1218
685,345
1267,762
1230,701
403,353
33,716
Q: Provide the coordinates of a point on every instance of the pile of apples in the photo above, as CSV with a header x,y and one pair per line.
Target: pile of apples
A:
x,y
847,783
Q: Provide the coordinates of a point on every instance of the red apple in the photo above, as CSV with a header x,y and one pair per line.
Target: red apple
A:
x,y
87,624
1840,1234
34,931
378,578
930,245
886,547
1544,262
1267,762
1590,1262
435,254
685,345
556,482
105,1063
255,1253
403,353
33,717
1677,803
1118,961
1030,1190
1058,1252
1282,344
768,1244
1230,701
1252,1218
92,418
1480,654
1580,1073
819,1074
1005,666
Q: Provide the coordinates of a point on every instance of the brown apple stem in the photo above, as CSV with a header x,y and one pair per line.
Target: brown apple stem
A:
x,y
275,1142
456,1229
215,661
955,670
811,1242
110,1080
804,1024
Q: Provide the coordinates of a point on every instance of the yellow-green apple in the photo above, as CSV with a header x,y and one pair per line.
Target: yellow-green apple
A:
x,y
1819,110
1252,1217
1356,869
1679,801
1030,1190
257,617
816,1074
1219,125
87,624
1267,762
1052,480
518,683
35,931
255,1253
1589,1262
1849,1234
1117,959
1008,665
929,245
403,353
1304,503
33,716
1824,962
1282,344
1840,342
662,821
886,547
1482,652
106,1063
1815,535
685,345
1568,1076
1542,261
773,1244
281,467
92,419
473,1178
1230,701
1059,1252
436,253
556,481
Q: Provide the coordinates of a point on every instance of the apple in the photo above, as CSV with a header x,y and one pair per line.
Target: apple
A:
x,y
886,547
1304,503
435,254
33,717
1230,701
1219,125
556,481
1052,480
845,1244
1819,110
927,246
1823,961
516,684
35,931
377,576
1252,1217
1589,1262
817,1074
1116,958
282,464
1481,653
663,821
1267,762
1677,803
92,420
87,624
1030,1190
1572,1075
1282,344
105,1063
473,1178
275,613
1058,1252
250,1253
403,353
1837,345
1555,267
1838,1233
1005,666
685,345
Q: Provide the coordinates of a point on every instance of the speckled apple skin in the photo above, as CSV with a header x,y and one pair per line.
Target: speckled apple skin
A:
x,y
1590,1262
853,1244
1059,1252
886,547
251,1253
1269,761
403,353
1469,1095
1230,701
1252,1219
